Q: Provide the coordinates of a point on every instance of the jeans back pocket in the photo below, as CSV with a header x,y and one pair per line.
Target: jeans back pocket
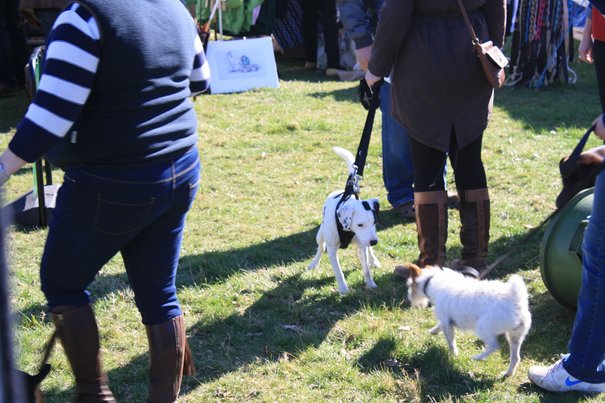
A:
x,y
117,218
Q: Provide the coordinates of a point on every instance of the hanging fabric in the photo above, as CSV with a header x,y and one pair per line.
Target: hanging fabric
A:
x,y
542,44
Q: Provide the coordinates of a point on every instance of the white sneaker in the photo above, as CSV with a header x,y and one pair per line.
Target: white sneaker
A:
x,y
556,379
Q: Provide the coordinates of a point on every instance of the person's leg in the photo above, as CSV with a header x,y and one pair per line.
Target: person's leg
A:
x,y
16,33
309,30
98,212
73,254
7,73
583,370
471,184
587,344
151,261
430,199
397,167
598,54
330,28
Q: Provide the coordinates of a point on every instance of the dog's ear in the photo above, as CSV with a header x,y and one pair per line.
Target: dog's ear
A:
x,y
414,270
375,205
345,216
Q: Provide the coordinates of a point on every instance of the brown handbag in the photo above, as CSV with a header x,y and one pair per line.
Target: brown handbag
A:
x,y
490,56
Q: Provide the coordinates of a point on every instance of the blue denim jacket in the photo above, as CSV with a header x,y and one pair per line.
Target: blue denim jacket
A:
x,y
359,18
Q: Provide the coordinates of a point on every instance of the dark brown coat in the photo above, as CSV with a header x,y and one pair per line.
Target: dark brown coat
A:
x,y
33,4
437,81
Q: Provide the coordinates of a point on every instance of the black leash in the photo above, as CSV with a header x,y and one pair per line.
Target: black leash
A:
x,y
370,99
566,168
48,349
527,236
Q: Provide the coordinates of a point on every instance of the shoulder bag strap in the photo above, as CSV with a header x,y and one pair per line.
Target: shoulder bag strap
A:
x,y
469,26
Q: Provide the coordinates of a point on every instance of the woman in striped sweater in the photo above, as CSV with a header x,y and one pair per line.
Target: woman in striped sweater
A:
x,y
113,111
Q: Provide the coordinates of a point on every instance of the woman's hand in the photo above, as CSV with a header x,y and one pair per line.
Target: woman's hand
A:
x,y
371,79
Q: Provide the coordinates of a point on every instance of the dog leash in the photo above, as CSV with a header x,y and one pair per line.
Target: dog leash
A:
x,y
527,236
48,349
566,168
369,96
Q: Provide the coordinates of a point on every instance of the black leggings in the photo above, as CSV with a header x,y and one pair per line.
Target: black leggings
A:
x,y
429,164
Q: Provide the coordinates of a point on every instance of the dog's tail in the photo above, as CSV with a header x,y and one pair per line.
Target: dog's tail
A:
x,y
518,289
347,156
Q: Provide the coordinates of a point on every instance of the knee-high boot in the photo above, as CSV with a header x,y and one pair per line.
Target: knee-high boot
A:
x,y
474,231
77,329
169,357
431,223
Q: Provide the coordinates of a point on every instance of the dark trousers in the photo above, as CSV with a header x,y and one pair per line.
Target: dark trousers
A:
x,y
137,212
311,10
13,44
429,164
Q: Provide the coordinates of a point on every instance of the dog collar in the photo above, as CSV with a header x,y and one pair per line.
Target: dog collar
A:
x,y
426,286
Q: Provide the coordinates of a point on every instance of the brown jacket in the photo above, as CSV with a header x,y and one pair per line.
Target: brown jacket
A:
x,y
437,81
32,4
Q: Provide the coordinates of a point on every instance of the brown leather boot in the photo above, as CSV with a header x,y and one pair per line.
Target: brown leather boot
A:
x,y
77,329
431,223
169,357
474,231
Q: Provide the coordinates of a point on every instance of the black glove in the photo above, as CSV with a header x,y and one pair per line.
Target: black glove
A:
x,y
368,95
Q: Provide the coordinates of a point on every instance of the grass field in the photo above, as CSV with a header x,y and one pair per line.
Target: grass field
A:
x,y
260,326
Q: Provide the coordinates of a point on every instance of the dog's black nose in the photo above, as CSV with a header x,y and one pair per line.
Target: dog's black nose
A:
x,y
373,242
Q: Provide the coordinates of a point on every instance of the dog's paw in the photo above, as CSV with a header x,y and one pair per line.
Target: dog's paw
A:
x,y
506,374
435,329
377,264
343,290
479,357
371,284
311,266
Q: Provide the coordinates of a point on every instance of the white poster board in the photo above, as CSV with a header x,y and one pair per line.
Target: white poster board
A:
x,y
241,65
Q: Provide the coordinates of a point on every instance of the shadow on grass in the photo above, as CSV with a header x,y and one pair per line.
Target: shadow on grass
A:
x,y
529,388
282,324
286,321
438,377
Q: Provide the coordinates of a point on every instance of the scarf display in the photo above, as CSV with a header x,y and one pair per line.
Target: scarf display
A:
x,y
542,43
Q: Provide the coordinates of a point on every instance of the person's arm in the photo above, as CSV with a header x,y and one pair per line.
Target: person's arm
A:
x,y
495,16
199,81
70,65
356,22
585,48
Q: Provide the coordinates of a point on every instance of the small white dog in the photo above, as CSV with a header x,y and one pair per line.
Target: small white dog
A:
x,y
357,219
488,308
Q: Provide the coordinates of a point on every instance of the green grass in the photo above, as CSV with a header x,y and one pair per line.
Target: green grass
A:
x,y
264,329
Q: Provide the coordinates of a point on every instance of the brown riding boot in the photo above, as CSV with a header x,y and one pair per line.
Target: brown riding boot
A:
x,y
77,329
169,357
431,223
474,231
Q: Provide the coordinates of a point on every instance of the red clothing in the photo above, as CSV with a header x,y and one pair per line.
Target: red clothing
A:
x,y
598,25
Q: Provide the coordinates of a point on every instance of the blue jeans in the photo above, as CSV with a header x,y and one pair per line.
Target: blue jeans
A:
x,y
587,343
397,170
139,212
